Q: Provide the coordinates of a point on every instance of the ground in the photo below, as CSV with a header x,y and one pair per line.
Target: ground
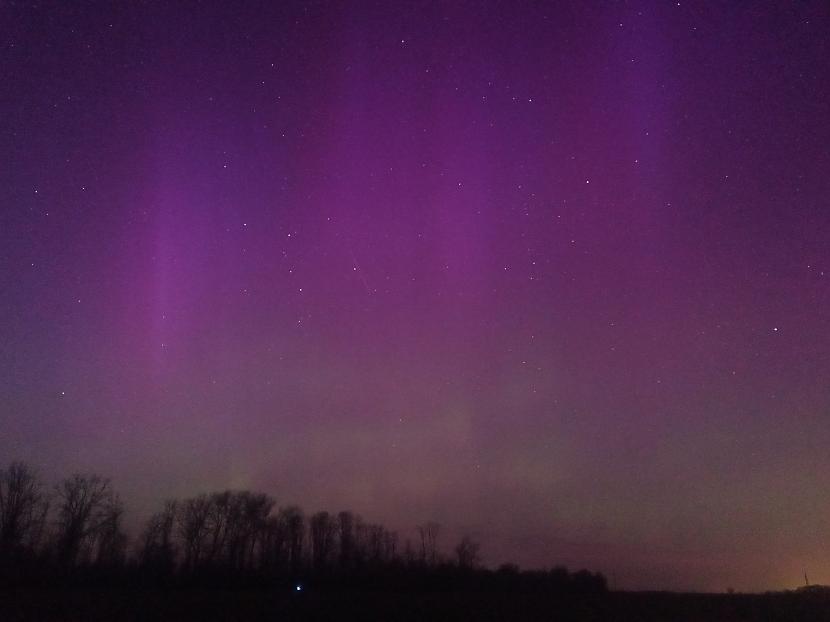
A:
x,y
218,605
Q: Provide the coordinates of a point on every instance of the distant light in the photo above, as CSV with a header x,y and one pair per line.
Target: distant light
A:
x,y
299,588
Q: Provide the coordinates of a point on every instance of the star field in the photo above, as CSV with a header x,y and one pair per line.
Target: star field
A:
x,y
554,274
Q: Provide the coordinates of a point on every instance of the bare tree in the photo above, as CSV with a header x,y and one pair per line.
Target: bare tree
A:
x,y
83,504
390,545
361,540
322,531
221,521
375,542
156,546
274,543
295,534
256,511
466,553
23,508
193,529
110,538
345,530
428,534
246,515
409,555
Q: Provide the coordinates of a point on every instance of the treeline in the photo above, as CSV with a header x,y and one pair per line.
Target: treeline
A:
x,y
73,534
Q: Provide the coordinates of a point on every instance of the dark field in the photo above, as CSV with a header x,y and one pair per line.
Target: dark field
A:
x,y
94,605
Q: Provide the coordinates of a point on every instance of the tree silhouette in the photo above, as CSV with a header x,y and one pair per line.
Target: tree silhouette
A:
x,y
111,541
23,509
345,527
248,544
323,531
428,533
157,551
233,538
193,529
294,522
466,553
85,502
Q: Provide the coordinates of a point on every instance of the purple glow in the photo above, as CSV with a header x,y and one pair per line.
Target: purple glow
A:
x,y
553,275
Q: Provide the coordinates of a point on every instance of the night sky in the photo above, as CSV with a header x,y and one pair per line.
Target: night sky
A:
x,y
553,274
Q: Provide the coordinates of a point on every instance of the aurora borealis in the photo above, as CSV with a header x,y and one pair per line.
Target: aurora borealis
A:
x,y
553,274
